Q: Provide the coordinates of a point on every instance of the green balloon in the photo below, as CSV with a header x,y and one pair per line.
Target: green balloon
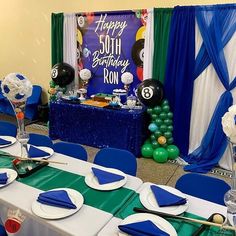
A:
x,y
160,155
149,110
170,128
167,121
158,133
166,108
154,116
153,137
155,144
173,152
165,102
170,140
147,141
163,116
52,84
158,121
53,98
168,134
157,110
170,115
163,128
147,150
165,145
48,124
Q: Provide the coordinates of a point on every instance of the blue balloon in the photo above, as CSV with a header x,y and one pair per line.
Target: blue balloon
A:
x,y
152,127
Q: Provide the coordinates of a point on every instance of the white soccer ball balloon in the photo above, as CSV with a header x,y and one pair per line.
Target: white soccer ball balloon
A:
x,y
16,87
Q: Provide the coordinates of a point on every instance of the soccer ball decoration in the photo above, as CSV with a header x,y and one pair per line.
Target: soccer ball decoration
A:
x,y
16,87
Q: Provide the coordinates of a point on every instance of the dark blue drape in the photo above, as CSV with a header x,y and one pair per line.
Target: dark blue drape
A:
x,y
216,25
179,72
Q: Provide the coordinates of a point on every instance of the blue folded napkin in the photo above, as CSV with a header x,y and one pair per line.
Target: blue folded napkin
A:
x,y
3,178
4,142
35,152
142,228
105,177
165,198
58,198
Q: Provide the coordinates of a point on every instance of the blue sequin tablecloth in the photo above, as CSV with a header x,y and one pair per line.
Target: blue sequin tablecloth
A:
x,y
98,127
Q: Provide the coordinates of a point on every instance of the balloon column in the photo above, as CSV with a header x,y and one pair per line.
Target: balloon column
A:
x,y
159,145
62,74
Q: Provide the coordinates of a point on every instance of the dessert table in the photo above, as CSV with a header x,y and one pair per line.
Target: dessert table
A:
x,y
97,126
98,208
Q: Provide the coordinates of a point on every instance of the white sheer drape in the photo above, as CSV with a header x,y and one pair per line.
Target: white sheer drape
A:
x,y
148,46
207,91
70,45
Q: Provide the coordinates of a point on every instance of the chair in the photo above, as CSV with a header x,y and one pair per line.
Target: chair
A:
x,y
32,103
71,149
203,186
117,158
40,140
2,231
7,128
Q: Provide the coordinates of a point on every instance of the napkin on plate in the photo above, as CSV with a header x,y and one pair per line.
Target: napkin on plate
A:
x,y
3,178
4,142
142,228
36,152
58,198
105,177
165,198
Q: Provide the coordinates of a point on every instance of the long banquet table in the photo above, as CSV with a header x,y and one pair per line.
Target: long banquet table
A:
x,y
99,207
101,213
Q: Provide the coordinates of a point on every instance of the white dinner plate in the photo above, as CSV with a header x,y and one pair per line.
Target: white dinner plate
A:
x,y
148,200
45,149
8,138
11,174
157,220
92,181
53,212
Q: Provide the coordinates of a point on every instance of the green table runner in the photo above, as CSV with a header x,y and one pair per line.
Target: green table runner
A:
x,y
49,178
182,228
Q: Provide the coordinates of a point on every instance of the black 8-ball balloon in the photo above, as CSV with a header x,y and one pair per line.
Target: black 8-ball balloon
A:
x,y
62,74
150,92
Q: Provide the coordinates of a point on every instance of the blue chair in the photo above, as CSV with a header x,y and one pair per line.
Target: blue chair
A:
x,y
117,158
31,108
2,231
71,149
7,128
40,140
203,186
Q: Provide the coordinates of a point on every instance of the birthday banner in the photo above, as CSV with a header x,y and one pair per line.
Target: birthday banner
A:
x,y
109,44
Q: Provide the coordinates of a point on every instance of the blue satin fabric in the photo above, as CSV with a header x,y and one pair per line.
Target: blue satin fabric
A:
x,y
98,127
179,73
214,23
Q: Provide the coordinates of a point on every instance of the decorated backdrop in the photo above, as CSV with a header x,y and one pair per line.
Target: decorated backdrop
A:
x,y
109,44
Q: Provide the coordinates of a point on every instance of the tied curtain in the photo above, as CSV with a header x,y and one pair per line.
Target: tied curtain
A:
x,y
215,82
57,21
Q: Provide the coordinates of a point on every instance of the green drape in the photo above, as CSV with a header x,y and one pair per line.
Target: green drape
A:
x,y
57,21
162,19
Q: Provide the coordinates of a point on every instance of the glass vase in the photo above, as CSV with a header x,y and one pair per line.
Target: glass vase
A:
x,y
22,135
230,196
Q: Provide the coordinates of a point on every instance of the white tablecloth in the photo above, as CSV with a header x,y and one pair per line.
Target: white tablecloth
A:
x,y
87,221
196,206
